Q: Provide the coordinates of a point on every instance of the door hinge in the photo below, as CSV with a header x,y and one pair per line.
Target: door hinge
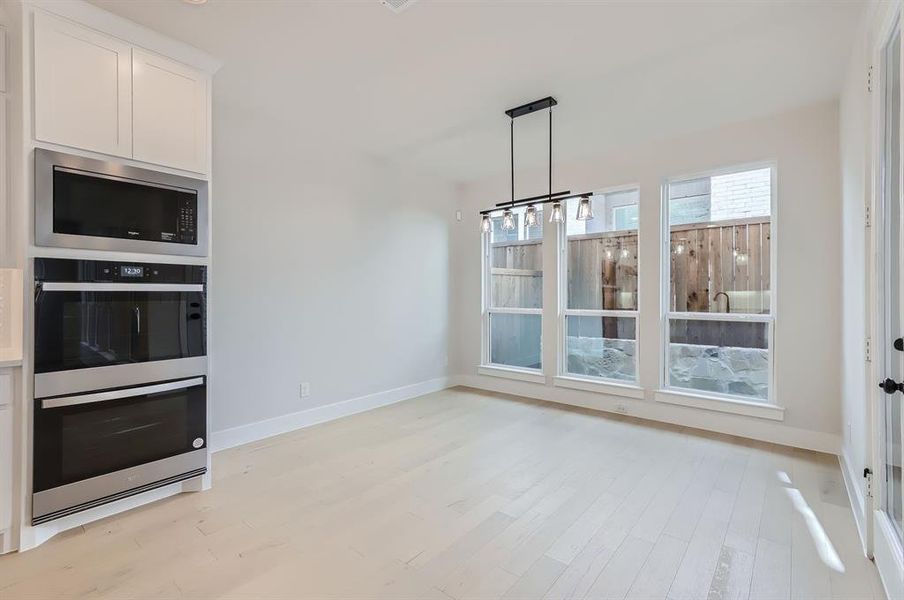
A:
x,y
868,475
869,79
869,349
868,216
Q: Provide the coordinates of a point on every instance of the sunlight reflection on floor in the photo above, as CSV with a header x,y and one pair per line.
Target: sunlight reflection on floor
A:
x,y
820,538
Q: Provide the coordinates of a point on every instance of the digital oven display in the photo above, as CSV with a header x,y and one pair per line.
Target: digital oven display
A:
x,y
129,271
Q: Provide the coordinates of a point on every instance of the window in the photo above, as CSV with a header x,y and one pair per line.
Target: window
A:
x,y
719,301
513,293
600,288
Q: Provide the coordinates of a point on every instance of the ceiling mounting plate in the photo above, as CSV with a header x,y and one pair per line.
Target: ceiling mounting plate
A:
x,y
397,6
530,107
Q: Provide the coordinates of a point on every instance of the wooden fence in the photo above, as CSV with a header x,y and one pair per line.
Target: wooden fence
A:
x,y
731,257
714,264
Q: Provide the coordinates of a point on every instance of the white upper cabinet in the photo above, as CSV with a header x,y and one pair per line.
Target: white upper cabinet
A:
x,y
169,113
99,93
83,92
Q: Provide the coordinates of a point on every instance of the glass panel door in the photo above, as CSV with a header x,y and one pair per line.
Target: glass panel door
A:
x,y
890,416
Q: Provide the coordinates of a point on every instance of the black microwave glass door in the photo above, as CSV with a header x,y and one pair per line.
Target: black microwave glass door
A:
x,y
84,329
73,443
94,205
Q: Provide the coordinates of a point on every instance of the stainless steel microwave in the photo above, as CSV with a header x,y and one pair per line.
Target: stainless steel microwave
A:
x,y
102,205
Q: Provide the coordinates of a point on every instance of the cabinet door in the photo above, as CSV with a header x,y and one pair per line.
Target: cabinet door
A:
x,y
6,449
83,93
169,110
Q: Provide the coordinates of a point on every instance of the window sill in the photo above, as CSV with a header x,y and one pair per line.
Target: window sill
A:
x,y
720,404
528,375
600,387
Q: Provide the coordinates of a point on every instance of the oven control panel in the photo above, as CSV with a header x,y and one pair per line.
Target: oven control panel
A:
x,y
63,269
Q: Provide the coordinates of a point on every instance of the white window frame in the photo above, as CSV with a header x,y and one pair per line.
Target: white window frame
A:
x,y
487,367
731,403
563,377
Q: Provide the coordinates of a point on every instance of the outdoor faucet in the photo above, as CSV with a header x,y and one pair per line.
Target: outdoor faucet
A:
x,y
727,300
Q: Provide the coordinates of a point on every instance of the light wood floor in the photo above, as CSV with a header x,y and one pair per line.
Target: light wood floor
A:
x,y
462,495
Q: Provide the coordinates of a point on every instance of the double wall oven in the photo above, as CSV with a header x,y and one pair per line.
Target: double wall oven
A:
x,y
120,381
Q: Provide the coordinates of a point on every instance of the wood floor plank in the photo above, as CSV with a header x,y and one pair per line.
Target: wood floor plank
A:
x,y
537,580
616,579
695,574
771,578
656,576
731,580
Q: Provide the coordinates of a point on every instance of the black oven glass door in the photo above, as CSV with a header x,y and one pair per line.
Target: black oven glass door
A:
x,y
96,328
83,436
92,204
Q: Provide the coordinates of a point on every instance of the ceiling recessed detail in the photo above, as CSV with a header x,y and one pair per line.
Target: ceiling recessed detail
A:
x,y
195,1
397,6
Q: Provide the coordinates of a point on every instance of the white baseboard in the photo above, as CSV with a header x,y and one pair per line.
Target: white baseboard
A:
x,y
244,434
752,428
853,482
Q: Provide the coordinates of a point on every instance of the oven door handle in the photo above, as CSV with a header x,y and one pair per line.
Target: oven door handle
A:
x,y
66,286
118,394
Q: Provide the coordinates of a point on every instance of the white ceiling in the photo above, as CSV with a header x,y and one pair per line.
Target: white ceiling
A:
x,y
428,87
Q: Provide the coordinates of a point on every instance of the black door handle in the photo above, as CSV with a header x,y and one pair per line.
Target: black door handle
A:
x,y
899,344
890,386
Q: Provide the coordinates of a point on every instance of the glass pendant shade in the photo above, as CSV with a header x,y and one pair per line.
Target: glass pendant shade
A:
x,y
485,224
508,220
556,215
585,211
530,217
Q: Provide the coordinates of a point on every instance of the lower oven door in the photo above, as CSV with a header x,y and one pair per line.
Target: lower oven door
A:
x,y
97,447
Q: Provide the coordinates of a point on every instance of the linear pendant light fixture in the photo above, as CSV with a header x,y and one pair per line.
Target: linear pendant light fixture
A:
x,y
531,215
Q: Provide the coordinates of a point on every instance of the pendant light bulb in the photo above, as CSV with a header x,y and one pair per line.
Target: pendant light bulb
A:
x,y
485,224
530,217
585,210
508,220
556,215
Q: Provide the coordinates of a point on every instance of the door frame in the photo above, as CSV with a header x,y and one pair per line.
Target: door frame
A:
x,y
881,541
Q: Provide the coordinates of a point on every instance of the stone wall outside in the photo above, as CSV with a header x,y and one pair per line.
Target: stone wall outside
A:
x,y
724,370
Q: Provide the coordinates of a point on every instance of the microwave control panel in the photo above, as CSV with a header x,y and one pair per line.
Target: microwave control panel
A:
x,y
188,228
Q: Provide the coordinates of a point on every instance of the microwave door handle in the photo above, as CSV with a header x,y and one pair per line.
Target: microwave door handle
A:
x,y
137,312
118,394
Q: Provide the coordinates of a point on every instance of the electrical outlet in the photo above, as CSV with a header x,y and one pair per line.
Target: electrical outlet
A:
x,y
621,408
304,390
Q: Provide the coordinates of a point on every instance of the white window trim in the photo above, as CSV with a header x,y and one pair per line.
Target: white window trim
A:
x,y
486,367
599,385
519,374
720,403
563,378
702,399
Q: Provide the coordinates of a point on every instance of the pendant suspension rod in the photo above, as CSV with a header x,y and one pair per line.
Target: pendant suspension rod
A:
x,y
550,152
512,146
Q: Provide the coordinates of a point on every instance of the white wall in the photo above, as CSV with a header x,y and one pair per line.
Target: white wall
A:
x,y
805,145
328,268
